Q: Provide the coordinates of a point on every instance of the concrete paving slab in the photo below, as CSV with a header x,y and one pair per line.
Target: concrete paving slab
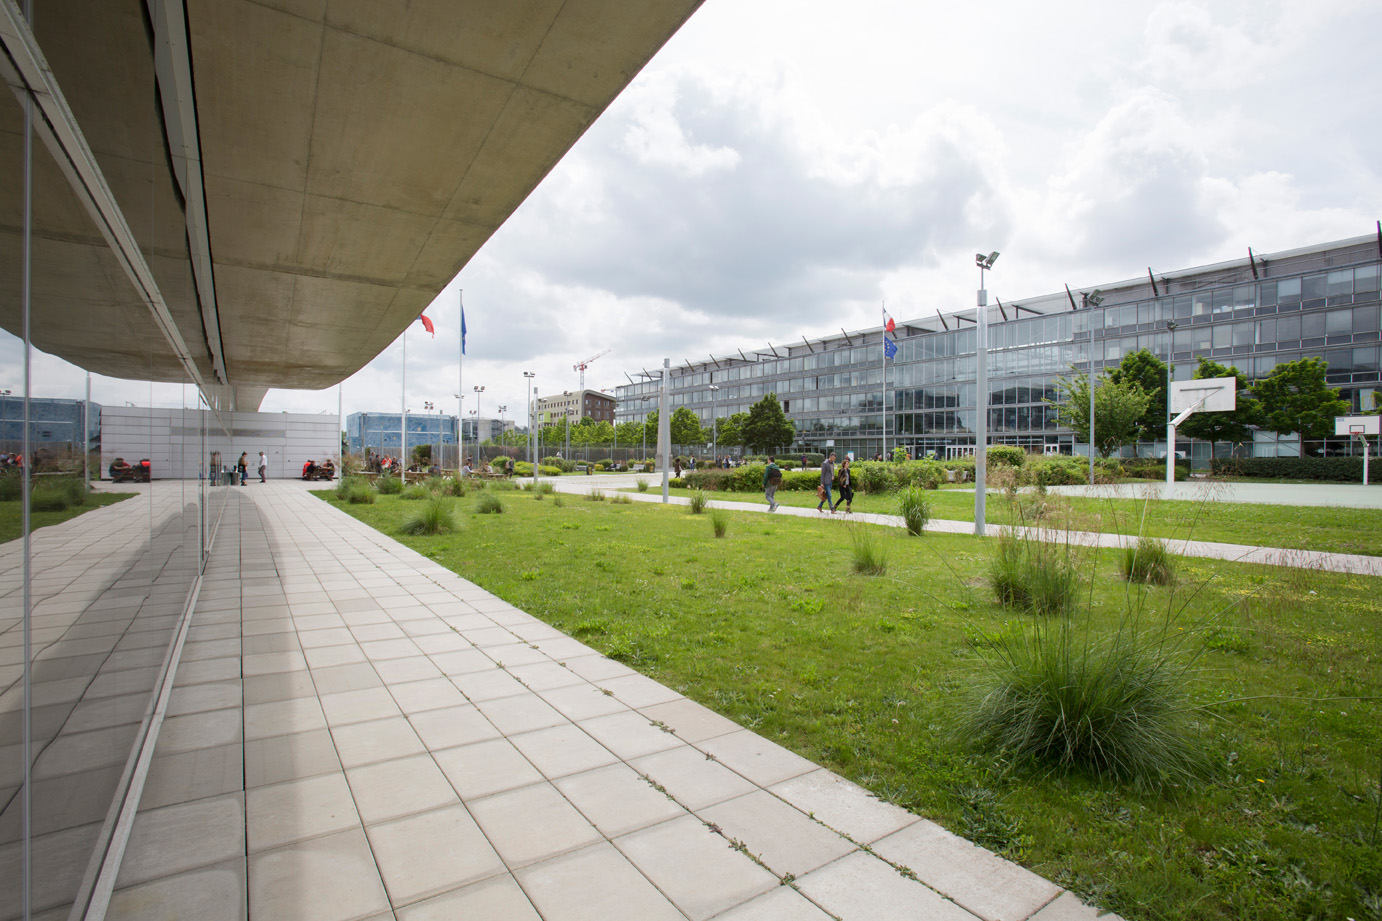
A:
x,y
699,870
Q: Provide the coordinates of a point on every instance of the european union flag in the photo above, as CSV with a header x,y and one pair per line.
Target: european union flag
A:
x,y
889,348
462,329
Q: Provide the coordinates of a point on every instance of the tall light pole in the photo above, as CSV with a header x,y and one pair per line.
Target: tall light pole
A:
x,y
529,376
1090,300
502,410
478,390
1170,432
981,399
428,406
460,432
714,427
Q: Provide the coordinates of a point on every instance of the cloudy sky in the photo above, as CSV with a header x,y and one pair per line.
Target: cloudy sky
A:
x,y
784,166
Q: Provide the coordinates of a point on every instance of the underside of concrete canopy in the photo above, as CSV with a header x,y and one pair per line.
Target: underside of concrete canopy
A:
x,y
290,182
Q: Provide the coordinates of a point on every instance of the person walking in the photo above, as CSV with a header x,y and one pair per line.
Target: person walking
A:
x,y
263,467
772,479
846,487
242,467
827,480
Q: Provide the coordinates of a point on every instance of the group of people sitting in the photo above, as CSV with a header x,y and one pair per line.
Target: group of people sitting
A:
x,y
121,472
312,470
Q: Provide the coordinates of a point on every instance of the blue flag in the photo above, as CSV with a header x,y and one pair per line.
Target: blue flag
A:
x,y
889,348
463,329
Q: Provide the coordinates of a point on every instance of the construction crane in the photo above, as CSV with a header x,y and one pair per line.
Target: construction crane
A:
x,y
582,366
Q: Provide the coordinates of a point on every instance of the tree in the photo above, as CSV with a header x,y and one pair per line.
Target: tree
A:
x,y
1295,398
767,426
686,427
1118,407
1148,372
1233,426
650,428
729,432
630,434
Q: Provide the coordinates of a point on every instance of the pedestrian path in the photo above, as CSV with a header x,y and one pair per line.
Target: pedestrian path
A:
x,y
1237,553
355,732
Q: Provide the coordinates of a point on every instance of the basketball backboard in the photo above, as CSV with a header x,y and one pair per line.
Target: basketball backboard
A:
x,y
1358,425
1220,394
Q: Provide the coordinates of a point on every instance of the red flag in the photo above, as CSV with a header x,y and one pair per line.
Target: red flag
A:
x,y
427,325
888,323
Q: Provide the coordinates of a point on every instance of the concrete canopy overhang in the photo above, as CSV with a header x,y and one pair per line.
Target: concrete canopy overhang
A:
x,y
299,177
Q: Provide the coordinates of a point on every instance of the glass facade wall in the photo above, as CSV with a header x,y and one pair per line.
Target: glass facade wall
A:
x,y
85,649
1319,302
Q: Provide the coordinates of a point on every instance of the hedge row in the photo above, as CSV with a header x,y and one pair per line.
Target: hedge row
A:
x,y
1322,469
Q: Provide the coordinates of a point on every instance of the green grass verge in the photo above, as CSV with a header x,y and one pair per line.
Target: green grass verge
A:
x,y
863,674
12,522
1326,529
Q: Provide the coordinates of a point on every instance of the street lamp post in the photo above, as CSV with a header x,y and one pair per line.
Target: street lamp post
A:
x,y
478,390
460,432
981,399
1170,432
428,406
714,427
1090,300
502,410
529,376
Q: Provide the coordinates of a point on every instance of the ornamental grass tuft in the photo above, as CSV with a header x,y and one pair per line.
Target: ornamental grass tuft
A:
x,y
914,509
436,517
699,499
1149,562
416,492
719,521
1034,575
642,484
361,493
870,556
388,485
488,503
1063,694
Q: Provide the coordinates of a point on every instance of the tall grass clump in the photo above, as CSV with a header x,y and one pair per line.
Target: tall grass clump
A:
x,y
914,509
719,521
345,484
1149,562
488,503
435,517
699,498
47,497
542,488
415,492
361,493
869,554
642,484
1034,575
11,485
453,486
388,485
1115,705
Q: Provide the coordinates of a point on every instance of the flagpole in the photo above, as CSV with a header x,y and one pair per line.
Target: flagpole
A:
x,y
403,403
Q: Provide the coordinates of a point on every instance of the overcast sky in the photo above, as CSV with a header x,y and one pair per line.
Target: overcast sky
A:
x,y
782,167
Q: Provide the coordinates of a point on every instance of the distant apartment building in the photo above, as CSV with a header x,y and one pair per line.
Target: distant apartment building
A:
x,y
575,405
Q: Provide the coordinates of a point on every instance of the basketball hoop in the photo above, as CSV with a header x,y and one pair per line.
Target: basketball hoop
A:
x,y
1356,431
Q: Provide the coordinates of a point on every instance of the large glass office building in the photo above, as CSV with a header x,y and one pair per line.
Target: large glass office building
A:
x,y
1252,314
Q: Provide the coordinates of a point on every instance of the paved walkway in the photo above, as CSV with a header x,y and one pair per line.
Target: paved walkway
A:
x,y
1349,496
357,733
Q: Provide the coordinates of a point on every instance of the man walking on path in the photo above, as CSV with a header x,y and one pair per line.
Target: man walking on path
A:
x,y
263,467
772,479
827,480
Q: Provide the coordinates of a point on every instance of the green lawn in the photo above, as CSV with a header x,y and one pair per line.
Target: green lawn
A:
x,y
864,675
11,514
1335,530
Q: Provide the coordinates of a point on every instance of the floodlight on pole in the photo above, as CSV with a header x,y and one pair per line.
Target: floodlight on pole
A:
x,y
981,396
530,375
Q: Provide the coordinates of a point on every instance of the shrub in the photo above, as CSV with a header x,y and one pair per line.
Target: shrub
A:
x,y
872,477
1151,469
11,486
48,497
719,521
642,484
361,493
488,503
435,518
914,509
699,498
415,492
346,484
1058,471
562,464
546,470
1115,705
924,473
1148,561
388,485
1034,575
1324,469
869,554
1007,455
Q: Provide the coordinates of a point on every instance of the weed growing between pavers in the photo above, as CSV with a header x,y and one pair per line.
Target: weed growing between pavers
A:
x,y
771,627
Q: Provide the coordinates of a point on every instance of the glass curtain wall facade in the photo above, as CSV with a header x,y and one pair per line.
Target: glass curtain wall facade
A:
x,y
85,650
1317,302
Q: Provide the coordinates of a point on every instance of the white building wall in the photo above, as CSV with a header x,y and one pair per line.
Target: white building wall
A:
x,y
170,442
